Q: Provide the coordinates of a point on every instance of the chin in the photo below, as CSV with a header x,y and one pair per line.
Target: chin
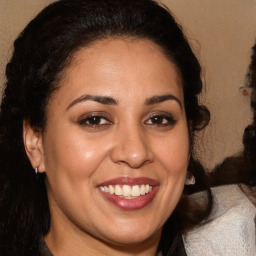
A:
x,y
127,235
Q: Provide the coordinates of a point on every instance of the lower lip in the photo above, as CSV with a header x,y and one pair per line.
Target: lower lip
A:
x,y
131,204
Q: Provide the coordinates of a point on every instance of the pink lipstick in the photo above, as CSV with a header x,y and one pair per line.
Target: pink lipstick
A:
x,y
129,193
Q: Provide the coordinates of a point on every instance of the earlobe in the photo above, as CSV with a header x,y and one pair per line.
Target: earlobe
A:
x,y
33,146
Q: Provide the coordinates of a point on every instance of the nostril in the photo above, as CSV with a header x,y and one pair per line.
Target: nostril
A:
x,y
134,156
134,164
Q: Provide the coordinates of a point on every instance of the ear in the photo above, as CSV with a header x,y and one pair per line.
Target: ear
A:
x,y
33,146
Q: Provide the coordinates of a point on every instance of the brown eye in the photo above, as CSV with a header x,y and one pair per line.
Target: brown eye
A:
x,y
162,120
158,120
95,121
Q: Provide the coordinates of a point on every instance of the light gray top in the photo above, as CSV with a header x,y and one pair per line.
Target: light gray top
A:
x,y
231,227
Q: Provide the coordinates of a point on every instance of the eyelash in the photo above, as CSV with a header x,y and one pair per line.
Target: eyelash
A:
x,y
165,119
95,121
156,120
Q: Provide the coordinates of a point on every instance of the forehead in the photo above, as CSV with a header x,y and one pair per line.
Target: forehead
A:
x,y
110,49
118,65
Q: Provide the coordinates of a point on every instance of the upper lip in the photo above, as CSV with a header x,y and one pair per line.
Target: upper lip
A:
x,y
129,181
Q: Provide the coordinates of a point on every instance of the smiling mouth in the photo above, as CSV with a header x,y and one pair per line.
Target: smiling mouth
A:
x,y
127,191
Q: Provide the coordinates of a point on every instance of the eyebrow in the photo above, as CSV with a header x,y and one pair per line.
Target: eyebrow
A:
x,y
106,100
161,98
100,99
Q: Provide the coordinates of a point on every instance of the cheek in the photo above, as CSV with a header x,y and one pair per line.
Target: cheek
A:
x,y
175,160
72,156
174,154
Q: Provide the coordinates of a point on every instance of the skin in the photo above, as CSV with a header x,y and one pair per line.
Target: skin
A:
x,y
132,139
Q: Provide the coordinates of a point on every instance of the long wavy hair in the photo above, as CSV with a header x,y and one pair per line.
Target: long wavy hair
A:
x,y
41,53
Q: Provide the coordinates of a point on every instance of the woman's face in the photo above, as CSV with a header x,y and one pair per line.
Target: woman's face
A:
x,y
115,148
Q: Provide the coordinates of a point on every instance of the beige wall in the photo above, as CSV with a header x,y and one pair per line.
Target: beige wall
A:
x,y
221,31
14,15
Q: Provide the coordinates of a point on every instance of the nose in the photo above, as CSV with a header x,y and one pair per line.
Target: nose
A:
x,y
131,148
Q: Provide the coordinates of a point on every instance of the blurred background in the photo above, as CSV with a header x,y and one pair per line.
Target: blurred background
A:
x,y
221,33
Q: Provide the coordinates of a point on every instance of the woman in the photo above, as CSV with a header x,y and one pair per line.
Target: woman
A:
x,y
97,132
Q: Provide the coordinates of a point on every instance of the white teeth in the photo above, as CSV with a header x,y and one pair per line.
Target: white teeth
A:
x,y
106,189
142,190
111,189
135,190
118,190
127,191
